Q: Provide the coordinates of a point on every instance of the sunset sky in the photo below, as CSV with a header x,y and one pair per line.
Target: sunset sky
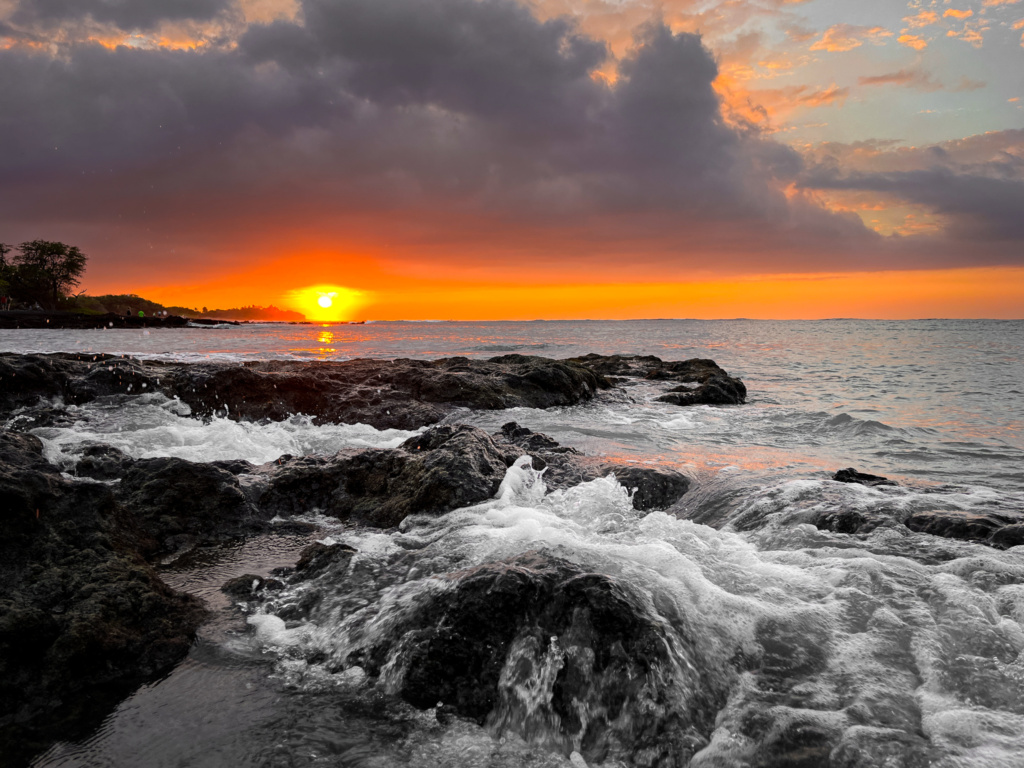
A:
x,y
524,159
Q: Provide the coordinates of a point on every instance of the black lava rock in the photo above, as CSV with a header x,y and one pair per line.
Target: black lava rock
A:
x,y
179,504
83,618
851,475
443,469
404,394
700,382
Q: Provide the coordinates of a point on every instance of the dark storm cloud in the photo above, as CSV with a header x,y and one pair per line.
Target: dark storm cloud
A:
x,y
125,14
478,99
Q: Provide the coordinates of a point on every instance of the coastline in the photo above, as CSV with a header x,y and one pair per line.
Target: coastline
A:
x,y
42,319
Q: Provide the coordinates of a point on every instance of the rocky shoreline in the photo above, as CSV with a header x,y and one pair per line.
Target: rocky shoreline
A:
x,y
85,617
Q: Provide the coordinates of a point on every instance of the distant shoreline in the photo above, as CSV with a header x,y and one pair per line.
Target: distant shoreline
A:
x,y
27,318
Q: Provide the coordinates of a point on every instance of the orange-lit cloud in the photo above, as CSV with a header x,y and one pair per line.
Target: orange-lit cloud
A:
x,y
916,42
846,37
921,19
957,14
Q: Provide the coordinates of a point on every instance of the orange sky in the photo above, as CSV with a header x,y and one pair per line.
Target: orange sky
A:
x,y
957,293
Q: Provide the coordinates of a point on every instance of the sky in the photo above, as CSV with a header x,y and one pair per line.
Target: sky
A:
x,y
521,159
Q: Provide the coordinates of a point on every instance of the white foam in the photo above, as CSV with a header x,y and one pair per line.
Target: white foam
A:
x,y
885,623
153,425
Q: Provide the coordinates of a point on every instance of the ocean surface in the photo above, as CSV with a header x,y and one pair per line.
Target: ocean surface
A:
x,y
917,634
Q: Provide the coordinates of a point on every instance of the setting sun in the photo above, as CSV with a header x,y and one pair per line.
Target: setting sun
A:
x,y
326,303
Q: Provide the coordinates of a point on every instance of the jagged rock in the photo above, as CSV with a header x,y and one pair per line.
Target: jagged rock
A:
x,y
851,475
102,462
444,468
179,503
590,647
83,619
404,394
700,382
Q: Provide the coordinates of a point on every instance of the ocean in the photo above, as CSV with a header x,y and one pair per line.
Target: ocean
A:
x,y
887,637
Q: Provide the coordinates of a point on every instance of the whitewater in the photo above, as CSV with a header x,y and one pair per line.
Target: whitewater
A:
x,y
812,647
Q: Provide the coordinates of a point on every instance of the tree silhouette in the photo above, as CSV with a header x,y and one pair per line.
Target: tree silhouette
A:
x,y
46,270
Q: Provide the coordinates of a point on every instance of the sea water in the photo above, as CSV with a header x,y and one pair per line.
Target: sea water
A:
x,y
904,633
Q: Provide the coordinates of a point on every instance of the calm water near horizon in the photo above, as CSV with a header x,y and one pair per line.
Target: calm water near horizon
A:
x,y
936,404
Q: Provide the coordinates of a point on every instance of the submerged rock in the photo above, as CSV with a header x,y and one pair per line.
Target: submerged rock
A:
x,y
83,618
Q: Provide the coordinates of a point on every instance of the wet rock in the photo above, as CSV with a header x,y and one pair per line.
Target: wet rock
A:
x,y
83,619
102,462
443,469
567,658
318,557
851,475
180,504
653,487
405,394
530,441
851,520
248,585
699,381
997,529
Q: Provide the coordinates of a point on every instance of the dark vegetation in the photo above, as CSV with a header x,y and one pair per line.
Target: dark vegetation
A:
x,y
44,273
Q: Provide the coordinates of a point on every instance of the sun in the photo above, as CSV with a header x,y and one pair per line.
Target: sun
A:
x,y
326,302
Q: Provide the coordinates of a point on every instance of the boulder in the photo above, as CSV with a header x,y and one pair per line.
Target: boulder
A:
x,y
443,469
179,504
